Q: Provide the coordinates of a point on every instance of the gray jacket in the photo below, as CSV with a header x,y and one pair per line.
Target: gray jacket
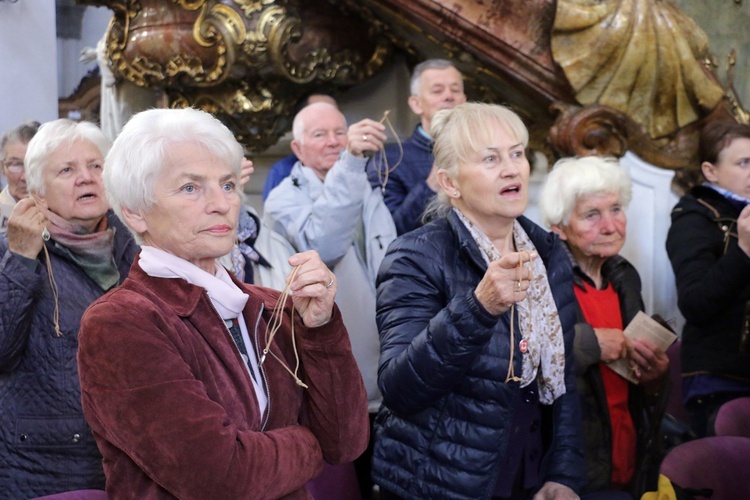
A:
x,y
326,217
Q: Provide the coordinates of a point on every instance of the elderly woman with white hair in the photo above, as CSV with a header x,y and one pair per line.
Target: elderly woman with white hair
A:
x,y
195,384
476,314
63,250
584,201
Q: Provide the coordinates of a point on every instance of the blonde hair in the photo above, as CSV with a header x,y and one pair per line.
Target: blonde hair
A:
x,y
462,132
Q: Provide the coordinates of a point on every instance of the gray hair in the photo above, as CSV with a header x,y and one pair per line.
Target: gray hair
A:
x,y
462,132
298,125
573,178
141,150
416,76
51,137
23,133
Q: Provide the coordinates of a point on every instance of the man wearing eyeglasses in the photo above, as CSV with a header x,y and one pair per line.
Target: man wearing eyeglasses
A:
x,y
13,150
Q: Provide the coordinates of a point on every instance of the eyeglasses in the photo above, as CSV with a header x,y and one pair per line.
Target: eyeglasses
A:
x,y
14,166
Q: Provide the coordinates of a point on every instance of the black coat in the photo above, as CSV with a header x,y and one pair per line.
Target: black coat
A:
x,y
443,429
713,285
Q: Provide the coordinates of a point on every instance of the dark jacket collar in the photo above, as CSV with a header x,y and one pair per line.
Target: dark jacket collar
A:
x,y
422,141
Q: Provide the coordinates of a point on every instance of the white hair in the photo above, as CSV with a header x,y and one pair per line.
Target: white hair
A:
x,y
574,178
51,137
298,125
142,149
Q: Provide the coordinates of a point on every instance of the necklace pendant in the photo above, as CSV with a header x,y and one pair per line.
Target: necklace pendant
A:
x,y
523,346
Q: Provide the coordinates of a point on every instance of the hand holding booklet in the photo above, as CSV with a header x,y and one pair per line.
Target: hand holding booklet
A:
x,y
642,327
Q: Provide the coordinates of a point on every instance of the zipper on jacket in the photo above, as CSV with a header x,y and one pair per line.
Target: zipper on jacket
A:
x,y
262,370
745,334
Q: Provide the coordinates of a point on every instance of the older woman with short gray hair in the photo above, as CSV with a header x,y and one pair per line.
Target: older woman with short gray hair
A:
x,y
63,250
584,201
197,385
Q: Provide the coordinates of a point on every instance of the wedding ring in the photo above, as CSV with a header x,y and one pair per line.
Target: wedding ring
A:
x,y
330,283
518,286
45,234
648,368
364,138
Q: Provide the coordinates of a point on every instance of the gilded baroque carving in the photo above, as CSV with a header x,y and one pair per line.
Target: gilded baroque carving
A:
x,y
596,130
247,61
641,57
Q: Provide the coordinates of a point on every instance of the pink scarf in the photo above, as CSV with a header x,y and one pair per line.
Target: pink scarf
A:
x,y
92,252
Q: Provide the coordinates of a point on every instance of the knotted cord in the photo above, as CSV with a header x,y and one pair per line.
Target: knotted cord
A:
x,y
511,375
50,275
273,326
53,286
381,162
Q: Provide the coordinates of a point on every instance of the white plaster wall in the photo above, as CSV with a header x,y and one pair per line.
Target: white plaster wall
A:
x,y
71,69
648,224
28,78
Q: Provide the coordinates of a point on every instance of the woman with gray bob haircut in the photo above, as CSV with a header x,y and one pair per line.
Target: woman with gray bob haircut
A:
x,y
584,201
63,250
197,385
475,314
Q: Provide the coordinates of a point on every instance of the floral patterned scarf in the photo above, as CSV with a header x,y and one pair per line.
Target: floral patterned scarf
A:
x,y
538,319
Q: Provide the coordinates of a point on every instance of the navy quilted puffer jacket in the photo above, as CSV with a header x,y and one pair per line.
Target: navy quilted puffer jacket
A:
x,y
442,431
46,446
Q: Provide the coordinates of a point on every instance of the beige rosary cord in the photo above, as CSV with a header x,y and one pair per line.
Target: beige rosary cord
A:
x,y
52,284
382,167
511,375
277,316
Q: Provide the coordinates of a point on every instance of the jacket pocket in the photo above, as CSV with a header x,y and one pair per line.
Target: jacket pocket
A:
x,y
51,431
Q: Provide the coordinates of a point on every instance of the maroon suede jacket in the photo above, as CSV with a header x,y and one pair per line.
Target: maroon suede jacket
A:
x,y
173,409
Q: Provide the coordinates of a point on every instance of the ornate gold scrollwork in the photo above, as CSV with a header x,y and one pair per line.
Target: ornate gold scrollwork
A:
x,y
253,112
250,7
220,19
643,58
217,30
596,130
247,61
